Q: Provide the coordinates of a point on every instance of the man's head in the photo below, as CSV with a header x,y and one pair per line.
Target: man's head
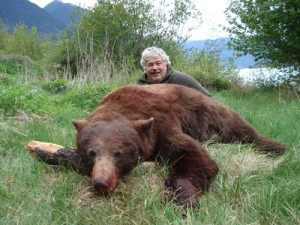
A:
x,y
155,63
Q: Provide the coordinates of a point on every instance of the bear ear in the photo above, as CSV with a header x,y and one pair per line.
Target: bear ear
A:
x,y
143,125
79,124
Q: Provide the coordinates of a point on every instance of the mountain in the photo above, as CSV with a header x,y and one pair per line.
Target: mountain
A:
x,y
64,12
225,53
13,12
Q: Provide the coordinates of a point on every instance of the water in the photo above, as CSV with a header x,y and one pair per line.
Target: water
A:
x,y
264,75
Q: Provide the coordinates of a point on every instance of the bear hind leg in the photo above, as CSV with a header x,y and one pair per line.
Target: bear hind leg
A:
x,y
269,146
244,133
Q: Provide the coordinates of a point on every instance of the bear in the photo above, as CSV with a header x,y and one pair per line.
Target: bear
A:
x,y
165,123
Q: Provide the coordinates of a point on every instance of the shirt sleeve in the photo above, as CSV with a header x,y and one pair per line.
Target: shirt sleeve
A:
x,y
189,81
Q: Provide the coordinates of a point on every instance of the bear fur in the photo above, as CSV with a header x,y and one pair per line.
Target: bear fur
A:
x,y
163,122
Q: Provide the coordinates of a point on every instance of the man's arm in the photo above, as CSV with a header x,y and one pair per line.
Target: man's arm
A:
x,y
189,81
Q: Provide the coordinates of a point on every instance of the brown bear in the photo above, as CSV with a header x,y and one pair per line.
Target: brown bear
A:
x,y
163,122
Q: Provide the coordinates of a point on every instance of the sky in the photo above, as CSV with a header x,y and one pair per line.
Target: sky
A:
x,y
212,16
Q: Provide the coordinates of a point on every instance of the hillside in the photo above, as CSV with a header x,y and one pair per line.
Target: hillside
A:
x,y
13,12
64,12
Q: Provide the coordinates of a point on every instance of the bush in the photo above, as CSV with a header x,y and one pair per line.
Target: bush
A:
x,y
6,80
17,64
14,99
22,41
55,86
219,83
86,98
206,67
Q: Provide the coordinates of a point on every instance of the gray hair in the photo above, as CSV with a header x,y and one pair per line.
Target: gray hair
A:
x,y
154,52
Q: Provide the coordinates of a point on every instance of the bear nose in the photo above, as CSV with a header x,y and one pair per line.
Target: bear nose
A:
x,y
101,185
104,177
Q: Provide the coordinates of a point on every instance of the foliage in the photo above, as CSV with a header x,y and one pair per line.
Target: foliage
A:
x,y
16,68
22,41
82,53
13,99
63,54
267,29
7,66
17,64
128,26
87,97
55,86
206,67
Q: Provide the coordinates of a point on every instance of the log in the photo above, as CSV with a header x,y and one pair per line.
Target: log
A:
x,y
46,146
67,157
54,154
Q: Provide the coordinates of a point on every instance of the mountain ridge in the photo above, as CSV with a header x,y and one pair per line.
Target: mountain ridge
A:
x,y
14,12
64,12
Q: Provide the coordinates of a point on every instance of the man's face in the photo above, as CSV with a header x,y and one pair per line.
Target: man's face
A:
x,y
156,69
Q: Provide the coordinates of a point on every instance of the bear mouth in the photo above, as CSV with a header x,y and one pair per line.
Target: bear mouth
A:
x,y
103,186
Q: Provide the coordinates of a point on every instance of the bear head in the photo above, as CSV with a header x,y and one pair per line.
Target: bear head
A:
x,y
112,148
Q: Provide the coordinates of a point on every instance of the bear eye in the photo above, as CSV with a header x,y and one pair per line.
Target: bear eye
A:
x,y
92,153
118,153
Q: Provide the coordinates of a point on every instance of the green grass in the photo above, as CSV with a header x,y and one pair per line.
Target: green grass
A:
x,y
250,188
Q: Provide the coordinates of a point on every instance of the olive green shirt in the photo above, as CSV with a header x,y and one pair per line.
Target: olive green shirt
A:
x,y
176,77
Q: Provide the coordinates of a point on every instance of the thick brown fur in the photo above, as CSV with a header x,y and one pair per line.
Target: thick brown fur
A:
x,y
141,123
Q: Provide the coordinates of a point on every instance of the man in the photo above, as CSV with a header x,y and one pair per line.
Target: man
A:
x,y
157,67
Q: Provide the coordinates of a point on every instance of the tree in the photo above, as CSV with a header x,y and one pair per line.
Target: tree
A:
x,y
122,28
267,29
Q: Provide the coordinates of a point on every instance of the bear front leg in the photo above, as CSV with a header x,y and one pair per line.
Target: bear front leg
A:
x,y
191,170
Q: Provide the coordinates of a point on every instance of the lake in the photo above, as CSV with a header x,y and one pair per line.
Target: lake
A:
x,y
265,75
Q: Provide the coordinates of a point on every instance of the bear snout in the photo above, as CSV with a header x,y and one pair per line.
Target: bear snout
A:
x,y
102,186
104,177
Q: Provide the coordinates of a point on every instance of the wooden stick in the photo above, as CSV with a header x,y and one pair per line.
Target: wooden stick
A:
x,y
54,154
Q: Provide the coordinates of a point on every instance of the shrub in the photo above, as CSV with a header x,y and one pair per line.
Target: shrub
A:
x,y
17,64
6,80
219,83
22,41
55,86
86,98
206,67
13,99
